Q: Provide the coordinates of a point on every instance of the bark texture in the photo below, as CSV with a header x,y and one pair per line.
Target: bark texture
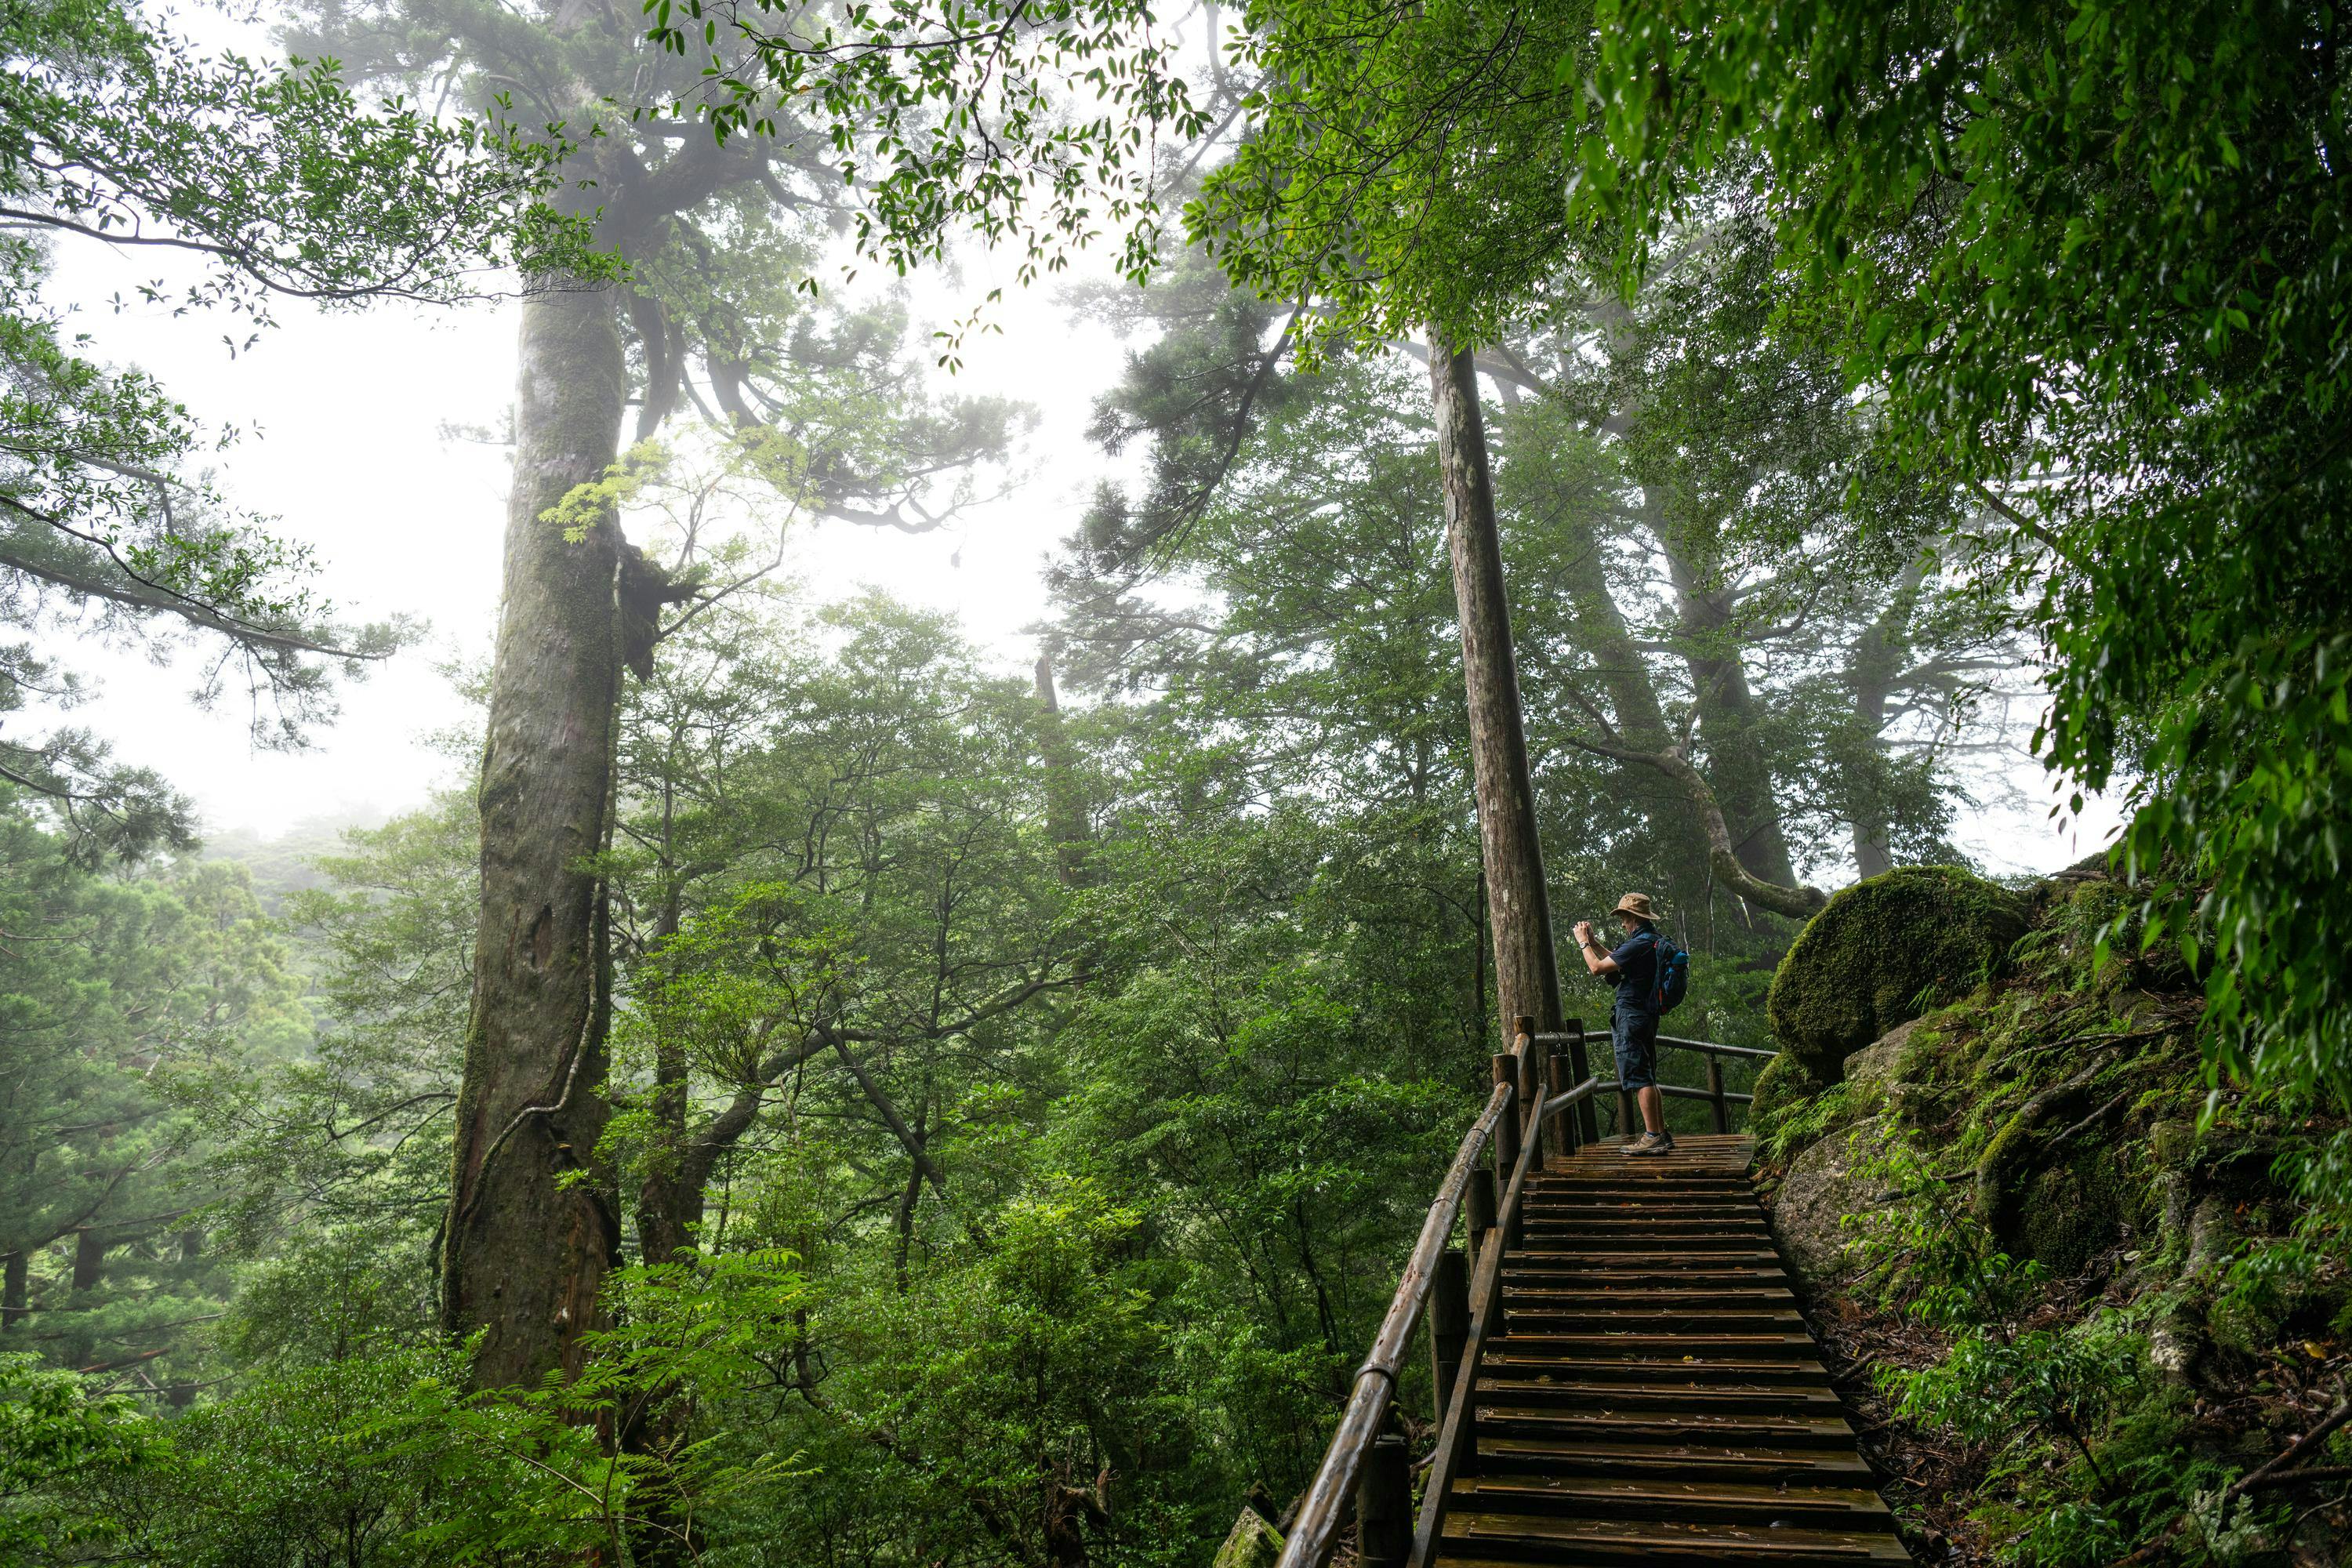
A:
x,y
1527,975
524,1254
1738,771
1873,668
1066,798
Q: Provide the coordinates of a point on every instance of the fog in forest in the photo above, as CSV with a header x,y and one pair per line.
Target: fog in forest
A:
x,y
1073,784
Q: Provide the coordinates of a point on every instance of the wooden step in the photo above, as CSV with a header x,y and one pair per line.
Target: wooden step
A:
x,y
1597,1242
1781,1431
1658,1347
1651,1399
1577,1295
1807,1372
1562,1211
1478,1540
1684,1460
1663,1320
1662,1234
1514,1274
1843,1508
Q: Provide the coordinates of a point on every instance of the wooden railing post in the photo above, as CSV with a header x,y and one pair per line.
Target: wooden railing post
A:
x,y
1532,1077
1505,1069
1721,1107
1588,1116
1506,1133
1560,1130
1478,1207
1449,1324
1384,1506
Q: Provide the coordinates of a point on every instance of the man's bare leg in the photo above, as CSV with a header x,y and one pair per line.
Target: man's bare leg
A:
x,y
1654,1107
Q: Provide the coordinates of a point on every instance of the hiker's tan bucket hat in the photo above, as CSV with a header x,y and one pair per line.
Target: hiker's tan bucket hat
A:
x,y
1637,905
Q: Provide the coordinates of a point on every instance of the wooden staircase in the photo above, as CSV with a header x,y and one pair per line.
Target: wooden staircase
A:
x,y
1654,1396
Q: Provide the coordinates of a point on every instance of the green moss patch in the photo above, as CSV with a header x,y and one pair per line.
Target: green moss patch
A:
x,y
1883,952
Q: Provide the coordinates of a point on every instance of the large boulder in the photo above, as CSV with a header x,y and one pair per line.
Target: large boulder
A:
x,y
1824,1184
1883,952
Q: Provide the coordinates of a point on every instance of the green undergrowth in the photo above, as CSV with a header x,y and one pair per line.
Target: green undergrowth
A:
x,y
2092,1290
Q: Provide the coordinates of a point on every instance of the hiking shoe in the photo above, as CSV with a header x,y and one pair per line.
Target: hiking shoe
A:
x,y
1647,1143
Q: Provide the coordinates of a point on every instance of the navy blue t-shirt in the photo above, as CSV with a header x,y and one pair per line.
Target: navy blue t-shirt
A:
x,y
1637,967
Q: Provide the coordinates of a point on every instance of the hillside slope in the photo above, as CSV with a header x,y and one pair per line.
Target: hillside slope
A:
x,y
2088,1309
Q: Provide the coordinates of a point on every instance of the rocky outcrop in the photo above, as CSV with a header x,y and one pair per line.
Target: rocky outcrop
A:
x,y
1824,1184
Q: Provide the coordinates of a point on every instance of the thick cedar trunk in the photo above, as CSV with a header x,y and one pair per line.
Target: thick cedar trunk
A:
x,y
1638,718
1065,801
90,1260
1736,770
1527,977
524,1256
1872,669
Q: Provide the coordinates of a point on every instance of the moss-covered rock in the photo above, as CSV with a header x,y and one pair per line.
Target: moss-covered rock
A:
x,y
2070,1214
1882,954
1252,1544
1783,1082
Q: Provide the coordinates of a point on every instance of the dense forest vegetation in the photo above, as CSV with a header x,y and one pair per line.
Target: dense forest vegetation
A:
x,y
811,1090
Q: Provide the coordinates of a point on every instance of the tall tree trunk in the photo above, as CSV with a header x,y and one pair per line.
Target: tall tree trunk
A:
x,y
524,1254
1737,771
1639,719
15,1293
90,1260
1872,664
1527,977
1066,800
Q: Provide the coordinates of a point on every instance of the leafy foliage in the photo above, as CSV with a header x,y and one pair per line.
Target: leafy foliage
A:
x,y
2092,254
108,527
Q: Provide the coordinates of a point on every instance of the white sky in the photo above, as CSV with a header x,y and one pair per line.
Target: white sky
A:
x,y
342,413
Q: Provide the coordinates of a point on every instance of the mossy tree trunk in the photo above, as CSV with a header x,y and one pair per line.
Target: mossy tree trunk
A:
x,y
1874,665
1738,773
526,1247
1638,716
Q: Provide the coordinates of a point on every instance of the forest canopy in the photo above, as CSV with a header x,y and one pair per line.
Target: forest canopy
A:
x,y
821,1078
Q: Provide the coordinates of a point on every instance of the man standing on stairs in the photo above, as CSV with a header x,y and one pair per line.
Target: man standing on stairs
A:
x,y
1633,1024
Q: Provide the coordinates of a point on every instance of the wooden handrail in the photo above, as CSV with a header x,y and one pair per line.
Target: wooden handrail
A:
x,y
1678,1091
1577,1096
1323,1510
1719,1100
1716,1049
1705,1047
1316,1530
1486,1305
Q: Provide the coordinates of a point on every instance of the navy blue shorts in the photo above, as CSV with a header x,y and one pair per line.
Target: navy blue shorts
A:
x,y
1634,1032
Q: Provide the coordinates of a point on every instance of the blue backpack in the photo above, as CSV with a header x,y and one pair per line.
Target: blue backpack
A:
x,y
1673,981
